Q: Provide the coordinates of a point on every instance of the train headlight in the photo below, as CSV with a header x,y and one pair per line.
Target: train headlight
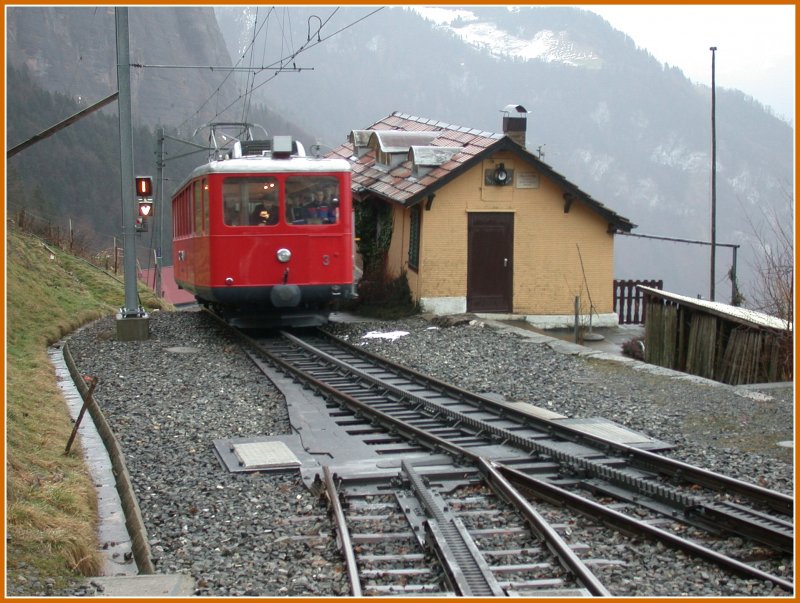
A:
x,y
284,255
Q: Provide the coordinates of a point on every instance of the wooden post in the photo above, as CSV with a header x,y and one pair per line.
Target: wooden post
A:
x,y
86,401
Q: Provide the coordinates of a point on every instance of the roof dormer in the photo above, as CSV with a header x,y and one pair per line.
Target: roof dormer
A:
x,y
360,141
391,146
424,158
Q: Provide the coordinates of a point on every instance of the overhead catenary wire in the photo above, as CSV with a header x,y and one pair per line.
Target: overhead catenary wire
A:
x,y
251,76
219,67
278,66
215,93
282,64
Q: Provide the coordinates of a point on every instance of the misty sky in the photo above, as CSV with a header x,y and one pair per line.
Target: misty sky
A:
x,y
755,44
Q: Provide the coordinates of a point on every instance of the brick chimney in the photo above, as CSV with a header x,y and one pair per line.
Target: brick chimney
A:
x,y
515,123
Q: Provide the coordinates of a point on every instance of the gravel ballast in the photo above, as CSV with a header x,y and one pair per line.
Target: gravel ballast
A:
x,y
168,398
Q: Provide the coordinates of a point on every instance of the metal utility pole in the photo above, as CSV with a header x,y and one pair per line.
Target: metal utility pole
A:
x,y
713,176
132,321
160,205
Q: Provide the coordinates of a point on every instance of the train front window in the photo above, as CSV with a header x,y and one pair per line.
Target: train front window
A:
x,y
250,201
312,200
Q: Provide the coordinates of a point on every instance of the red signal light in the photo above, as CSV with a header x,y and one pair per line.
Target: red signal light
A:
x,y
144,186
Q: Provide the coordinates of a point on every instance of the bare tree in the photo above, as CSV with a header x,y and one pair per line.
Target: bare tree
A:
x,y
773,291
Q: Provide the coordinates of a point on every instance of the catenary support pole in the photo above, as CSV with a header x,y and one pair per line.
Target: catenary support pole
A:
x,y
131,320
713,176
160,209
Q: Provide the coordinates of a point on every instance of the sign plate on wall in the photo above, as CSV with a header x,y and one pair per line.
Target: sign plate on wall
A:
x,y
527,180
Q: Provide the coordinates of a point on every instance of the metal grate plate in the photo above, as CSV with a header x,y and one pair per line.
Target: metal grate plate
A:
x,y
265,455
614,432
535,411
275,453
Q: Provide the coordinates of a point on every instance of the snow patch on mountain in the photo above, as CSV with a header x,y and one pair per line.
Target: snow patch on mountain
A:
x,y
601,114
746,187
674,153
598,164
647,193
546,45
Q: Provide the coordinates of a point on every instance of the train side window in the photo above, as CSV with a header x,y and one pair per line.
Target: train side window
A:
x,y
198,208
312,200
206,224
181,224
184,204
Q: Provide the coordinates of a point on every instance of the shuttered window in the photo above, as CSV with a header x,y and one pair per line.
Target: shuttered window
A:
x,y
414,237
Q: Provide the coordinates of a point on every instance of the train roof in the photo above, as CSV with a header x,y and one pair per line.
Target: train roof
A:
x,y
269,165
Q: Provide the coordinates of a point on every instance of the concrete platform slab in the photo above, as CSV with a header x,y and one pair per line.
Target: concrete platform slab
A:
x,y
152,585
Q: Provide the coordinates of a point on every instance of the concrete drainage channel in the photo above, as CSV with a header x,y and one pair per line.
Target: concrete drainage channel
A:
x,y
128,571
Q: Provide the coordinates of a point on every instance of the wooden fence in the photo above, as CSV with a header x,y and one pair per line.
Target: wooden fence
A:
x,y
629,301
694,341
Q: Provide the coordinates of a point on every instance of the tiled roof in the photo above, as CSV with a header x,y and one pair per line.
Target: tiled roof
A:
x,y
402,183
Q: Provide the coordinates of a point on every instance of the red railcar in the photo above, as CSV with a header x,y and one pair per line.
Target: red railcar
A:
x,y
264,235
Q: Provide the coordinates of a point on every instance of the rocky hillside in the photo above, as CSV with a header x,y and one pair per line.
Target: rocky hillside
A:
x,y
72,51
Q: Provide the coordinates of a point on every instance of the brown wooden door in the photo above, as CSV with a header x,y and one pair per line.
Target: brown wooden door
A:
x,y
490,267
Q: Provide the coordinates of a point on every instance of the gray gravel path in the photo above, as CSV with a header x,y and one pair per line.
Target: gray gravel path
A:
x,y
168,398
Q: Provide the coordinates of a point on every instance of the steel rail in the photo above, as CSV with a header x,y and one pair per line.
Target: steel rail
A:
x,y
642,459
773,535
542,489
415,434
543,529
550,492
466,568
345,544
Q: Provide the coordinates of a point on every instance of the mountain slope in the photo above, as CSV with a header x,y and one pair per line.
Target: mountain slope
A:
x,y
633,133
71,50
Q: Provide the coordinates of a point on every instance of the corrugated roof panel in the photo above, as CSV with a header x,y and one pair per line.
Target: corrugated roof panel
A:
x,y
756,319
438,173
449,166
483,142
471,150
382,187
420,127
449,138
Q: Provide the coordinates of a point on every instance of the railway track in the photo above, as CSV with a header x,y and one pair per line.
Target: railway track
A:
x,y
456,536
394,410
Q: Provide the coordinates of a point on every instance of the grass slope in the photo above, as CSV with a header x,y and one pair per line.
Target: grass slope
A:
x,y
51,501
